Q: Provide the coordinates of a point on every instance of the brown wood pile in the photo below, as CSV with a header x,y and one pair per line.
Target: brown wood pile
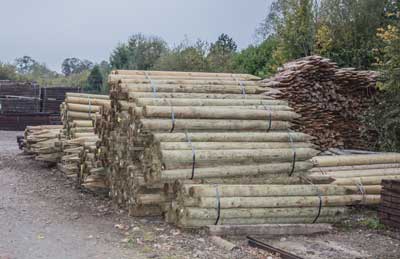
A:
x,y
389,209
329,100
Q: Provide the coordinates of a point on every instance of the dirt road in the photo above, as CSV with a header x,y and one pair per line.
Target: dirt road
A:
x,y
41,216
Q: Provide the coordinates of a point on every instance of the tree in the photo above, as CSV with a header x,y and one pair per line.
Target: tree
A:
x,y
185,57
7,72
140,52
292,23
95,79
347,30
257,59
221,53
25,64
75,65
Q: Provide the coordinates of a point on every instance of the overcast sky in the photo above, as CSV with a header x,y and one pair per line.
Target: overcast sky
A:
x,y
51,30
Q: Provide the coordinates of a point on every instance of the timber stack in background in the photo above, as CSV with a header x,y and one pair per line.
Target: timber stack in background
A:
x,y
389,210
25,103
330,100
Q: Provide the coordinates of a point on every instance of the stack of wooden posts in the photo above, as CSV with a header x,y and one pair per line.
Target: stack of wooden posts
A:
x,y
389,209
79,113
364,172
203,204
329,99
166,132
40,141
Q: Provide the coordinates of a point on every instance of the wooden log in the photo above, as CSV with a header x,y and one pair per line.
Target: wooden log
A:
x,y
369,180
232,145
237,156
234,171
83,100
360,173
187,112
285,202
193,88
269,229
241,190
134,95
204,213
233,137
324,161
83,95
209,102
83,108
220,125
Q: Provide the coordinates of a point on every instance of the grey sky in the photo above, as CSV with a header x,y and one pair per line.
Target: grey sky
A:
x,y
51,30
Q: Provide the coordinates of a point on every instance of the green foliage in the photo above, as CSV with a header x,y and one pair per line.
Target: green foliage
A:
x,y
221,53
7,72
257,59
75,66
185,57
292,22
95,79
140,52
347,30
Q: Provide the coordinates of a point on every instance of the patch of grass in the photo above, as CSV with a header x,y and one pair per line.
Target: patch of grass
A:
x,y
372,223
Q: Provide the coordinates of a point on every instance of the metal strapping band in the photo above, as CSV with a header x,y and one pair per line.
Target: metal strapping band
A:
x,y
218,204
269,118
241,84
294,153
193,153
319,193
90,106
361,188
319,208
173,119
153,86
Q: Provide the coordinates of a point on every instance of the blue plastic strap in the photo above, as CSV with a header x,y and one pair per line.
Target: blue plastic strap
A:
x,y
294,153
153,86
218,204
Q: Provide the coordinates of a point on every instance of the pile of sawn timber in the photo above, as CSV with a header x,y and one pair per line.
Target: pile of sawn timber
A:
x,y
389,209
330,100
205,148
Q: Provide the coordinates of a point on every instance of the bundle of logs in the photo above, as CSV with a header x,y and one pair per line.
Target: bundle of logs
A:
x,y
40,142
389,209
330,100
362,172
79,113
167,133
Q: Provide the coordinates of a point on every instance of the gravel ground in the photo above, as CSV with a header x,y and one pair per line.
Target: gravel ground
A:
x,y
43,215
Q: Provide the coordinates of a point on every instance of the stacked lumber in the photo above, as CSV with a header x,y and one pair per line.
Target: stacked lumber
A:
x,y
329,99
40,141
389,209
19,88
363,172
12,105
53,96
203,204
19,121
194,128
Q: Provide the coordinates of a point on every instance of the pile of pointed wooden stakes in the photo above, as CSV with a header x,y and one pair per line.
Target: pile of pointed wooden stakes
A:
x,y
363,172
40,141
199,205
330,100
79,113
166,132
